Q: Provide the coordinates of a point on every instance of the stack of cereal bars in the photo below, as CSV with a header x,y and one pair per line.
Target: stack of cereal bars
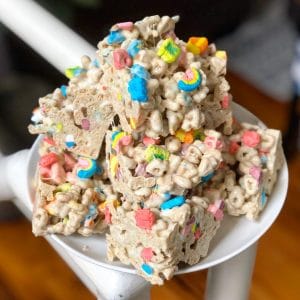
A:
x,y
142,144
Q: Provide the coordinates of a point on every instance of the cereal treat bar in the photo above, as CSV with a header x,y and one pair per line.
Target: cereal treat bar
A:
x,y
155,240
144,169
77,115
159,83
161,214
252,158
71,195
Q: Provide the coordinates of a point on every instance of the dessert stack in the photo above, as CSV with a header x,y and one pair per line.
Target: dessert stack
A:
x,y
142,145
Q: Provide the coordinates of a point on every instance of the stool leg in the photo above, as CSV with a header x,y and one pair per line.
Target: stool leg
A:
x,y
115,285
231,279
104,283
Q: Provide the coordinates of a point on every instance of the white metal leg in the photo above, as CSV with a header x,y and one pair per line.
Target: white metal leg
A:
x,y
115,285
54,41
231,279
105,284
12,175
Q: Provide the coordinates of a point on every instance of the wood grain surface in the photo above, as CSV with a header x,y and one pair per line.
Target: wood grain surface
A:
x,y
30,269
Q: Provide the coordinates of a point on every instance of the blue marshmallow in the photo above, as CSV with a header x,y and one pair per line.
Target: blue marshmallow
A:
x,y
207,177
147,269
134,48
63,90
137,88
174,202
115,37
139,71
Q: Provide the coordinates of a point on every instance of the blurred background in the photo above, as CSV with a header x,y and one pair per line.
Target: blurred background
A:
x,y
260,37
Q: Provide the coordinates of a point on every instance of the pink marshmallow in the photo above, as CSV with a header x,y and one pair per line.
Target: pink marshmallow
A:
x,y
125,26
147,254
225,102
49,140
121,59
144,218
124,141
217,209
255,172
48,159
140,170
150,141
58,174
233,147
107,215
85,124
250,138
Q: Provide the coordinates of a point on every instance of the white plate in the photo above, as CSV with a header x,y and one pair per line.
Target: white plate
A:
x,y
235,234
